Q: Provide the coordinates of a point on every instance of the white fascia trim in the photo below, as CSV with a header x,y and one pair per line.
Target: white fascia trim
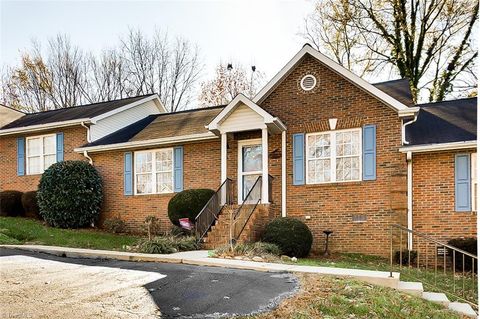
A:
x,y
131,105
147,143
438,147
240,98
41,127
356,80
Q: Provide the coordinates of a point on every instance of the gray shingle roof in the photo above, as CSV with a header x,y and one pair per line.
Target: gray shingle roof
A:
x,y
398,89
444,122
71,113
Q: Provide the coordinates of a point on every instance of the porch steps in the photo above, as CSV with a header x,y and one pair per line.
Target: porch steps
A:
x,y
412,288
463,308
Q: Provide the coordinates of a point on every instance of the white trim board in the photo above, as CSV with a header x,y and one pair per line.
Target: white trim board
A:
x,y
438,147
396,105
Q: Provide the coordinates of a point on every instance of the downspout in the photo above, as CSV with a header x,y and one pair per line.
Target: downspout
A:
x,y
404,140
410,199
85,153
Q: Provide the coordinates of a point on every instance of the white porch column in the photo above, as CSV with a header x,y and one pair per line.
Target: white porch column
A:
x,y
284,174
265,166
223,161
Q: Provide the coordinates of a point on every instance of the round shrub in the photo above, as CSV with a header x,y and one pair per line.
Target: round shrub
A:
x,y
187,204
114,225
11,203
70,194
292,236
30,204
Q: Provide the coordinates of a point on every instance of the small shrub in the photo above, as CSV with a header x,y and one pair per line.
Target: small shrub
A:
x,y
167,245
470,246
179,231
187,204
413,257
292,236
261,248
30,204
11,203
151,225
265,250
70,194
114,225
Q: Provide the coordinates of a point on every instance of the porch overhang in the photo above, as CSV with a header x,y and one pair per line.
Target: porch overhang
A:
x,y
263,119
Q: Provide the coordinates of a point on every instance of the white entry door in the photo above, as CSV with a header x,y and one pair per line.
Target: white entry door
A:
x,y
249,169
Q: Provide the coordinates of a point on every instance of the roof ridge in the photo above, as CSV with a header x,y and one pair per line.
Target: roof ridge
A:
x,y
389,81
192,110
84,105
446,101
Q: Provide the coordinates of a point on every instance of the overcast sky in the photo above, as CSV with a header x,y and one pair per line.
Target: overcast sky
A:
x,y
263,33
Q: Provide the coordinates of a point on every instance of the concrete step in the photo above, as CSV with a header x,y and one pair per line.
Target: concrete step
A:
x,y
413,288
436,297
463,308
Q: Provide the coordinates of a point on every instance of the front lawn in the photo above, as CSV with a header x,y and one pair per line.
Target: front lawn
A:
x,y
329,297
17,230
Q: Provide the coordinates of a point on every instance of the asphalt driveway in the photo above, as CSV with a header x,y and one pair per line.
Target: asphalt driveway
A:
x,y
197,291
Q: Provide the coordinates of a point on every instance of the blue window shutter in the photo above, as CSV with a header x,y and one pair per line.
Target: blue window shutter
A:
x,y
462,183
20,156
59,147
178,169
128,174
299,159
369,153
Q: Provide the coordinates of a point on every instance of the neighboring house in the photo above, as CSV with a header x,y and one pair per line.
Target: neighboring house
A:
x,y
331,149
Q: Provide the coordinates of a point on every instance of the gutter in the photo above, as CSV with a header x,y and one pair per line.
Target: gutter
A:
x,y
438,147
147,143
40,127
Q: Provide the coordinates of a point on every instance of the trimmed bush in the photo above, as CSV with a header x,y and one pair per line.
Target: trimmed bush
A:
x,y
250,250
187,204
30,204
413,257
114,225
167,245
70,194
467,244
11,203
292,236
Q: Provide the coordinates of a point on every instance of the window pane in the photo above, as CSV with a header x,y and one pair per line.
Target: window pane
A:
x,y
164,183
164,160
347,169
49,160
49,144
318,146
348,143
143,162
319,170
144,183
248,183
34,165
252,158
34,147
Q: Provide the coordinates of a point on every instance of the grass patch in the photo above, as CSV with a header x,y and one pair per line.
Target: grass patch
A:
x,y
443,282
16,230
329,297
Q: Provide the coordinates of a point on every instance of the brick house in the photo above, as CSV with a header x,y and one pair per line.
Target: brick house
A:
x,y
317,143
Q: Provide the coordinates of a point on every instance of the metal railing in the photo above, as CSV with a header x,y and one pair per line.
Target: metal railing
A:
x,y
439,266
209,213
246,209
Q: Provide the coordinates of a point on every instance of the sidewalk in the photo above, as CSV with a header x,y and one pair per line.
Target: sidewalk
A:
x,y
200,258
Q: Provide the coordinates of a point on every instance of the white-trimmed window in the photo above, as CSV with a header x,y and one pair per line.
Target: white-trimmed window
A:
x,y
154,171
334,156
473,175
41,152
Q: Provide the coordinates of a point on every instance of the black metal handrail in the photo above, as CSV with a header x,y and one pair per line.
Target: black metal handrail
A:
x,y
421,259
209,213
237,222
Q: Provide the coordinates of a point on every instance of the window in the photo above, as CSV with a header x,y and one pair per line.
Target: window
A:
x,y
41,153
473,176
333,156
154,171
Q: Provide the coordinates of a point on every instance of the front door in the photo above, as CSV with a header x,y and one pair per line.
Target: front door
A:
x,y
249,169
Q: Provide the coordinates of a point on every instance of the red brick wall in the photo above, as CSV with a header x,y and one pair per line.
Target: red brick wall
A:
x,y
434,197
9,180
331,206
201,170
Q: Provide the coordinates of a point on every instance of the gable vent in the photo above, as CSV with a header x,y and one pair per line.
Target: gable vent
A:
x,y
308,82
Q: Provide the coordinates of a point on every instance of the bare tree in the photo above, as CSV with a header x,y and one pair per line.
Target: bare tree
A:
x,y
429,42
230,80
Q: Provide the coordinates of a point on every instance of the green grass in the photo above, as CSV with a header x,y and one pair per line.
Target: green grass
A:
x,y
328,297
442,282
17,230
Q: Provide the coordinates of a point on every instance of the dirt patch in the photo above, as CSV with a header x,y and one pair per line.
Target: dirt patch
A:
x,y
38,288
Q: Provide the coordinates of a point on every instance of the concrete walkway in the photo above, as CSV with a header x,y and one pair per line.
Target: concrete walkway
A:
x,y
200,258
